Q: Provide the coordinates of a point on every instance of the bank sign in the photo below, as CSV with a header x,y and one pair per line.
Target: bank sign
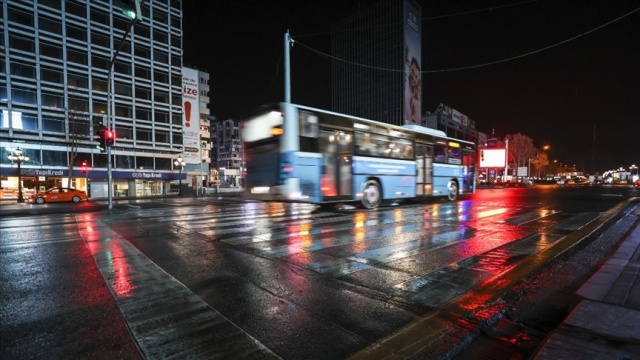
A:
x,y
96,174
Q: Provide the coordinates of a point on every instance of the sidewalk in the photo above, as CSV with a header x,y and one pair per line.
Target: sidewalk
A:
x,y
605,324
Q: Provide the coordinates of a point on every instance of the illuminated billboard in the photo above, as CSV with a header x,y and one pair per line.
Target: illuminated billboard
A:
x,y
412,66
191,116
492,158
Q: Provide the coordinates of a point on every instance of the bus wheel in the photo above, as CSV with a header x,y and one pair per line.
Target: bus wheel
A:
x,y
453,190
371,195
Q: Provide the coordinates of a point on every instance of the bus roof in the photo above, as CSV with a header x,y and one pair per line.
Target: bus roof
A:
x,y
411,127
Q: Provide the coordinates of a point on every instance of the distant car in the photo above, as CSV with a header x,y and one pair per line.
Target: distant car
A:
x,y
561,182
637,183
59,194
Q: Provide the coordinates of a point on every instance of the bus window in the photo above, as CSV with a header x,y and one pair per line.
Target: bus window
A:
x,y
440,153
308,124
363,143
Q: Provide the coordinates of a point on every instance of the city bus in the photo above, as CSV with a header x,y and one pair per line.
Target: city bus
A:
x,y
303,154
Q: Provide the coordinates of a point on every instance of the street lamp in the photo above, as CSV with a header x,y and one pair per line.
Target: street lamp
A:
x,y
179,162
18,158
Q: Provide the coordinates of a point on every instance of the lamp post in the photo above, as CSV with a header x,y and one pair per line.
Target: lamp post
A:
x,y
179,162
18,158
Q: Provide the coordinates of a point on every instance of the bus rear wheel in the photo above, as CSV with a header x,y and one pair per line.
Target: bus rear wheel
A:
x,y
452,190
371,195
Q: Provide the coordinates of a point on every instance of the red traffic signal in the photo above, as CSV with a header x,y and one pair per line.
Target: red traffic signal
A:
x,y
109,137
84,166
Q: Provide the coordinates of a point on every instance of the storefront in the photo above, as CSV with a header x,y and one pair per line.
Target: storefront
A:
x,y
94,182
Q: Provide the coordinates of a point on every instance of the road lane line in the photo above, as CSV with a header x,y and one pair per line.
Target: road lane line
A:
x,y
166,319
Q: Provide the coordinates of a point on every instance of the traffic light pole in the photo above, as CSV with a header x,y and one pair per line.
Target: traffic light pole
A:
x,y
110,121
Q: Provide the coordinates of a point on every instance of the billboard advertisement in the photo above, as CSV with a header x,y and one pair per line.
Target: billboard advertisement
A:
x,y
492,158
412,64
190,116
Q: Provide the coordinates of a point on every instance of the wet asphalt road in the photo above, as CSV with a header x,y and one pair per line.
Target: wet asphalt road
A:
x,y
305,283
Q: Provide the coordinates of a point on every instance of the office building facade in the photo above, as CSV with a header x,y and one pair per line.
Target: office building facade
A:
x,y
57,90
228,152
376,72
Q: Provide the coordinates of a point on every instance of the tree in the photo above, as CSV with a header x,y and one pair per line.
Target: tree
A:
x,y
540,162
521,149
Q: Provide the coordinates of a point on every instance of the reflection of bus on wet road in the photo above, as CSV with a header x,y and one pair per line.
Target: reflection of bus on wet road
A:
x,y
304,154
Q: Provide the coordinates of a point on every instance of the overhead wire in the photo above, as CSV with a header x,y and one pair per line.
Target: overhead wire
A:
x,y
477,65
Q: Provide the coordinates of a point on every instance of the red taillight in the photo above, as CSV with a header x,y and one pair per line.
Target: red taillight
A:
x,y
287,169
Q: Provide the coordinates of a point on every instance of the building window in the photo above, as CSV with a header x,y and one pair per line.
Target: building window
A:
x,y
76,33
24,96
161,117
99,62
77,57
78,81
51,75
23,70
54,158
20,17
52,100
162,137
143,114
143,134
53,125
22,44
163,164
161,97
50,25
143,162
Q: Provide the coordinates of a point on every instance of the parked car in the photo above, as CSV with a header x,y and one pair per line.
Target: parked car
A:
x,y
59,194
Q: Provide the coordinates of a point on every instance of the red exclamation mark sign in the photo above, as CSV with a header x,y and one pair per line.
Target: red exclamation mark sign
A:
x,y
187,113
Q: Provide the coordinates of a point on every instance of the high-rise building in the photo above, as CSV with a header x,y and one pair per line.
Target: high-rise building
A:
x,y
57,90
376,72
228,152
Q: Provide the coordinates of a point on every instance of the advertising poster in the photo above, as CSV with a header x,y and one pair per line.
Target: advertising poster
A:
x,y
412,64
191,116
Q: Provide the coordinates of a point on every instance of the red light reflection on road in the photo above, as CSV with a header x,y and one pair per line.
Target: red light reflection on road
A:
x,y
98,241
121,284
477,300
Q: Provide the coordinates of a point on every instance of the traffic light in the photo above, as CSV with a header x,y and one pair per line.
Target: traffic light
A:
x,y
100,132
131,8
84,166
109,137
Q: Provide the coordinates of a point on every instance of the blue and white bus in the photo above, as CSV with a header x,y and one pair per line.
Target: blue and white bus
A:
x,y
299,153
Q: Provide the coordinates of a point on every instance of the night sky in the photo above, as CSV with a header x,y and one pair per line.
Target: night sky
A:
x,y
550,69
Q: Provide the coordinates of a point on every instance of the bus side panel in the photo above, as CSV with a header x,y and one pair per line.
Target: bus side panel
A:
x,y
397,178
264,170
442,174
